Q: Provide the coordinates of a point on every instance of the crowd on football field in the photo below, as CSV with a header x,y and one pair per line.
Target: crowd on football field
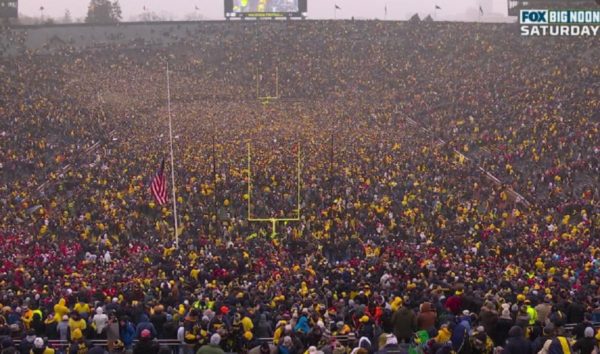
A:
x,y
447,198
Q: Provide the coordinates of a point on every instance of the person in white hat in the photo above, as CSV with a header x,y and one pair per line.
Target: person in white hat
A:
x,y
39,347
213,347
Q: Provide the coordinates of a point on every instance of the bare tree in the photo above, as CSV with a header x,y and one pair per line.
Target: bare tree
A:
x,y
103,11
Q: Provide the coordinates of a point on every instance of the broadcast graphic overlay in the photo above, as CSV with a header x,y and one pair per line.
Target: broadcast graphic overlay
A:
x,y
544,22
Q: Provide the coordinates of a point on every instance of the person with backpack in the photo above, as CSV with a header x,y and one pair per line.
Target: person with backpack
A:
x,y
560,345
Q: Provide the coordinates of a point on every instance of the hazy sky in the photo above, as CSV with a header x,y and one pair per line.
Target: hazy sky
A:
x,y
213,9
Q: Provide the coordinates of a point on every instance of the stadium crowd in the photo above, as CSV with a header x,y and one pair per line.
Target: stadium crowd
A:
x,y
448,192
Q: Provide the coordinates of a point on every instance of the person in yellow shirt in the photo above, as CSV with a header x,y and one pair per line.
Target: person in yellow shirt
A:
x,y
61,309
279,330
27,316
531,311
76,323
82,307
247,324
77,342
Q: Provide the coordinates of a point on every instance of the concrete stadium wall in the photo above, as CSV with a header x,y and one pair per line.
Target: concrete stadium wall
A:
x,y
17,39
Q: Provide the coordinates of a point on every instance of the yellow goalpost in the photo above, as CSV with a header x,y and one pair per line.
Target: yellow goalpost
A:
x,y
273,221
266,99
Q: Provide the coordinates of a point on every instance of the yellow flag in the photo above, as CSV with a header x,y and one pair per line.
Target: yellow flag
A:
x,y
254,235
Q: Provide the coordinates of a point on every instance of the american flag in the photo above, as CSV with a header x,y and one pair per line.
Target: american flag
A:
x,y
159,185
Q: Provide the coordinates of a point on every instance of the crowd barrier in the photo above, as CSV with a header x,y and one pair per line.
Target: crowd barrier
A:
x,y
176,344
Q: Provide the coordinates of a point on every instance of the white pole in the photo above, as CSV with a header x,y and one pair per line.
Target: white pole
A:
x,y
277,82
257,85
172,162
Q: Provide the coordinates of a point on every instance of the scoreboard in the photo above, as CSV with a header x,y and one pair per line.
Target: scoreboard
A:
x,y
9,8
265,8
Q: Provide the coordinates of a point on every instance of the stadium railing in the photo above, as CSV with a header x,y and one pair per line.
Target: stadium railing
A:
x,y
175,344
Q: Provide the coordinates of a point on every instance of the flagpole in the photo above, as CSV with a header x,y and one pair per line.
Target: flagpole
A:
x,y
214,161
172,162
331,166
277,82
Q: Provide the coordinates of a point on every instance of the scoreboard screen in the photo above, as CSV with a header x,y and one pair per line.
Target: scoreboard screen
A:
x,y
9,8
265,8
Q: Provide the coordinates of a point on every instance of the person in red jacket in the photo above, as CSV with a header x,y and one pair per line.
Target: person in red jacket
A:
x,y
454,303
426,317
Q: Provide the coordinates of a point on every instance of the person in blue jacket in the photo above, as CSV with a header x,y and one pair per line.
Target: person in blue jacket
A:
x,y
127,332
460,338
302,325
145,324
